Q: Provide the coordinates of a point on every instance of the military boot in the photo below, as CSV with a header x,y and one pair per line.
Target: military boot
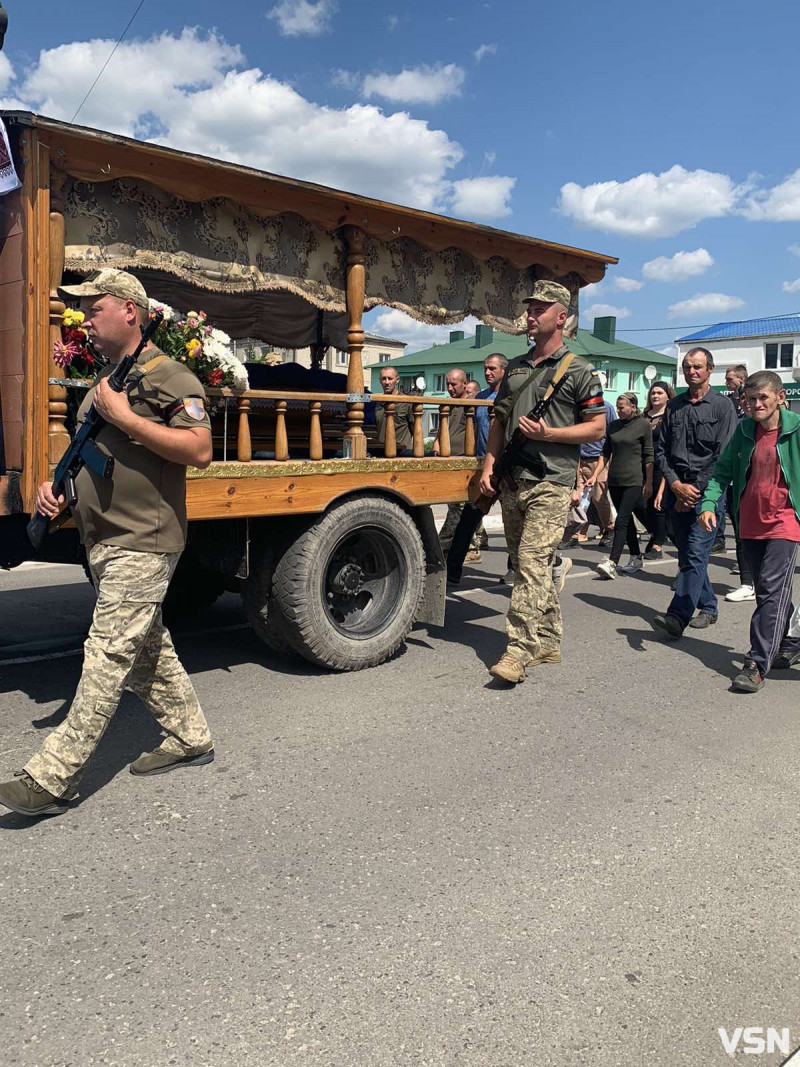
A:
x,y
26,797
509,669
159,761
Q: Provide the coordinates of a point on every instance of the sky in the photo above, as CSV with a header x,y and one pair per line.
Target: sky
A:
x,y
666,135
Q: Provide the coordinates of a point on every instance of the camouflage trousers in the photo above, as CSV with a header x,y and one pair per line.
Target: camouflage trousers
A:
x,y
480,539
127,646
533,517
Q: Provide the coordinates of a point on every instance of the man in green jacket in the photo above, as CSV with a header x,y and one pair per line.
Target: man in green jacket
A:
x,y
762,463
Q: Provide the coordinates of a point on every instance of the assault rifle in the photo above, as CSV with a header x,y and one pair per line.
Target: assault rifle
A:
x,y
83,452
513,455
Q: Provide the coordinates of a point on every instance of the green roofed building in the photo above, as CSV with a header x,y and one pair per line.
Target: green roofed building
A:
x,y
623,366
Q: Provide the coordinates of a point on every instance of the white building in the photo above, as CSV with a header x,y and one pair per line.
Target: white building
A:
x,y
760,344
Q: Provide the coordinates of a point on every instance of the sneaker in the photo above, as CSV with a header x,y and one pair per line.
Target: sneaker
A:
x,y
702,621
567,542
607,569
473,556
159,761
785,660
744,592
633,565
560,571
653,554
507,578
735,569
509,669
750,679
26,797
719,545
670,625
605,539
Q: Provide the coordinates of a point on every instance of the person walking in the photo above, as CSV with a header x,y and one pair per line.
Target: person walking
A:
x,y
658,396
762,465
697,426
133,526
536,500
403,415
456,382
628,455
576,532
735,377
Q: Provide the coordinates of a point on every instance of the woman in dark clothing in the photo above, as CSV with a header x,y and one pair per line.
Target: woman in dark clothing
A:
x,y
658,397
628,454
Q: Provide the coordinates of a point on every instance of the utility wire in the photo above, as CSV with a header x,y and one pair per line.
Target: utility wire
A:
x,y
704,325
113,50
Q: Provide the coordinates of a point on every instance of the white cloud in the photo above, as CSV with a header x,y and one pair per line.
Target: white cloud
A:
x,y
794,249
187,92
628,285
418,335
482,198
705,304
418,85
650,205
679,267
346,79
779,204
296,17
6,72
591,291
392,21
484,50
599,310
791,287
670,350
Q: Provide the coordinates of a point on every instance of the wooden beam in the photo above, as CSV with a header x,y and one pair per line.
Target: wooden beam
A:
x,y
355,443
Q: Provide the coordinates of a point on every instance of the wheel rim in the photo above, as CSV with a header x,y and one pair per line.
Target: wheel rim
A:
x,y
363,582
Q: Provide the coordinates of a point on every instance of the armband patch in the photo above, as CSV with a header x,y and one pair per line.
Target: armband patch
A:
x,y
194,407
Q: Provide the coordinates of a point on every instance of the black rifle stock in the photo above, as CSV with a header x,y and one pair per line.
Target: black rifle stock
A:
x,y
83,452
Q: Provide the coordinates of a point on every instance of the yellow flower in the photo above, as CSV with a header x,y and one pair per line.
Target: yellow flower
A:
x,y
192,346
71,317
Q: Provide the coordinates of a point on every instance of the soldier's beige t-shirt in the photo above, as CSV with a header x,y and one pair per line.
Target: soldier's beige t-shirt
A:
x,y
143,505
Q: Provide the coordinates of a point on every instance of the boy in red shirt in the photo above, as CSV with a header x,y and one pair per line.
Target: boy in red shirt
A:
x,y
762,463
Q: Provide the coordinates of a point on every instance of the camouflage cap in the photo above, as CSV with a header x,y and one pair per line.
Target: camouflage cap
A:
x,y
550,293
108,281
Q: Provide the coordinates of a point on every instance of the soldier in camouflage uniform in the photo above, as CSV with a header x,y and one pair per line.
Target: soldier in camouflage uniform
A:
x,y
134,529
536,505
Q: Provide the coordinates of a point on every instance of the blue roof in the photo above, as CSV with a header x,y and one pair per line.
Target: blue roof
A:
x,y
778,324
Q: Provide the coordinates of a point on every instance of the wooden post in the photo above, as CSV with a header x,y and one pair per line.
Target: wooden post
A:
x,y
315,433
390,440
418,447
281,440
469,431
57,436
354,438
444,430
244,447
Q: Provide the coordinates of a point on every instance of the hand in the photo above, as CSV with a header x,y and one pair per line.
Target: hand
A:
x,y
590,483
114,407
46,503
686,494
707,521
659,498
436,447
486,486
535,431
576,496
647,489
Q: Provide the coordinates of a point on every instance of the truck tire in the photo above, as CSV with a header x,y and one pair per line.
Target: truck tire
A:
x,y
346,592
259,605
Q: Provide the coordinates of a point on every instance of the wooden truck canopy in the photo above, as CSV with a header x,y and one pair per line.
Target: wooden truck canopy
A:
x,y
287,261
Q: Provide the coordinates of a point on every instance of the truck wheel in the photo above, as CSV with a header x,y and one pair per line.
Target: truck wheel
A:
x,y
347,590
259,604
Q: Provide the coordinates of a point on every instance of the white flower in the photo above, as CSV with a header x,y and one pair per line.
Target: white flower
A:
x,y
220,336
165,309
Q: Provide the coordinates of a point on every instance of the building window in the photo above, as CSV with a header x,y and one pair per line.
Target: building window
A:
x,y
775,352
341,357
611,379
439,385
434,423
383,357
633,379
408,385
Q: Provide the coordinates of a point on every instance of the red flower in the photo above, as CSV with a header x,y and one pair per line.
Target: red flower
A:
x,y
215,377
64,354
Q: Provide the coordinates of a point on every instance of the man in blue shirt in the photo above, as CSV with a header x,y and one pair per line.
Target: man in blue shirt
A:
x,y
494,367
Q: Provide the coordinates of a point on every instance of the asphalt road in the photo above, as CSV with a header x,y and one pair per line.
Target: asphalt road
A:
x,y
410,865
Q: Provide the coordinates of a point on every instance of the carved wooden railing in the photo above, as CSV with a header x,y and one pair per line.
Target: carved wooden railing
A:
x,y
245,406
